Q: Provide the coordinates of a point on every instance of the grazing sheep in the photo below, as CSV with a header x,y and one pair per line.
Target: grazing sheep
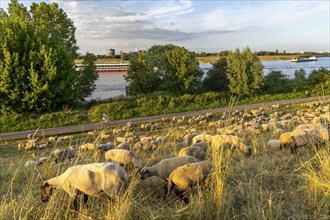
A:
x,y
230,142
188,175
67,137
43,159
145,145
308,137
91,133
104,135
52,139
285,139
125,145
201,144
195,151
309,126
275,144
164,167
92,179
32,163
107,146
88,146
123,157
121,139
203,137
62,154
188,138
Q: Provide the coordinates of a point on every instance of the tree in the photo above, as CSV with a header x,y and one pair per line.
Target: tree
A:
x,y
182,73
167,68
276,82
299,80
142,76
37,53
87,76
216,78
244,72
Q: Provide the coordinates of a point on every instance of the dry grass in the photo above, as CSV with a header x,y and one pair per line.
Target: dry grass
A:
x,y
271,184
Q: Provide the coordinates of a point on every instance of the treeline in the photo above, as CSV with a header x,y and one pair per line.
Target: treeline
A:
x,y
174,70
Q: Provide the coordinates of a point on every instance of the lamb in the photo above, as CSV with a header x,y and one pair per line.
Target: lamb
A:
x,y
188,175
308,137
125,145
164,167
107,146
230,142
62,154
195,151
123,157
92,179
285,139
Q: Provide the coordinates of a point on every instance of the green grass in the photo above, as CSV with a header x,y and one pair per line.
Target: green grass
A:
x,y
131,108
271,184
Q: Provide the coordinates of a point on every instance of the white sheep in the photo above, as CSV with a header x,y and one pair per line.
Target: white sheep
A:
x,y
274,144
107,146
92,179
230,142
308,137
123,157
164,167
62,154
195,151
32,163
188,175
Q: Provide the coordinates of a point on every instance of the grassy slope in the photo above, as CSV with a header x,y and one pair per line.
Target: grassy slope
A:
x,y
271,184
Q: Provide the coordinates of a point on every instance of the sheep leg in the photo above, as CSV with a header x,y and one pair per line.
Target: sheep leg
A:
x,y
165,187
180,193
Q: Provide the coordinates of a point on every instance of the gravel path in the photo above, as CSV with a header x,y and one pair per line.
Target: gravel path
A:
x,y
88,127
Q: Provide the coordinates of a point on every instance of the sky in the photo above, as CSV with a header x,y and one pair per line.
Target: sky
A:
x,y
209,26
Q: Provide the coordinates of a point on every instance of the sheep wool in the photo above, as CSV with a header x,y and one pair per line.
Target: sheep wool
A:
x,y
188,175
92,179
123,157
164,167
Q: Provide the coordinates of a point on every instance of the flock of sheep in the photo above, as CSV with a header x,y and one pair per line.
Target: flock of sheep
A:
x,y
193,164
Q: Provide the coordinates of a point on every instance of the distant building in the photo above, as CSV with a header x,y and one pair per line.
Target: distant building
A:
x,y
111,52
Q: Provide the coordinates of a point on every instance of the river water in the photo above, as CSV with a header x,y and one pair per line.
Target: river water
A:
x,y
113,84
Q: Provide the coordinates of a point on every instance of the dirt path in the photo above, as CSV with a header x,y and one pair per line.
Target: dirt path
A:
x,y
88,127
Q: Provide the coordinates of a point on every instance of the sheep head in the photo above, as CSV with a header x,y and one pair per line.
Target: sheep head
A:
x,y
144,173
45,191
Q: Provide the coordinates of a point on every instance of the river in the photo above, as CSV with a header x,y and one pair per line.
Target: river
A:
x,y
113,84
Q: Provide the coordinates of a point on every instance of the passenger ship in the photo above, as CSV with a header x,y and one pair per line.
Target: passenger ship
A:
x,y
108,67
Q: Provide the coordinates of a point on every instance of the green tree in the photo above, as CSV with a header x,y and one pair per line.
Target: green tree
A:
x,y
216,78
276,82
182,73
300,80
166,68
37,53
143,78
244,72
87,76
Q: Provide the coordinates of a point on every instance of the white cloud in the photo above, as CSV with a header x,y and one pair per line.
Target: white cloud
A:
x,y
72,4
